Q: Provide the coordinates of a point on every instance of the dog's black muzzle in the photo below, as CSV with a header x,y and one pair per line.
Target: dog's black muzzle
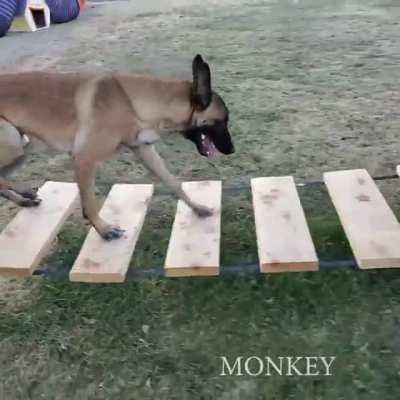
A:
x,y
218,134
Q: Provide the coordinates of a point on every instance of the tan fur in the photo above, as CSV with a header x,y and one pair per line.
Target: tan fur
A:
x,y
90,116
11,144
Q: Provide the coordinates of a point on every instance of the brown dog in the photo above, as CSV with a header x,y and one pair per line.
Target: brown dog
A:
x,y
91,115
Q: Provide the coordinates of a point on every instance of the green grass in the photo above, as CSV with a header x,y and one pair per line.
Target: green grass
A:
x,y
162,339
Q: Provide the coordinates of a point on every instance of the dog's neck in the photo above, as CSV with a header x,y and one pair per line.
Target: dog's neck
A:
x,y
160,104
170,125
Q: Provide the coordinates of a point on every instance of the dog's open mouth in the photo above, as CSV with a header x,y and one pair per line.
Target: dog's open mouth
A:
x,y
207,147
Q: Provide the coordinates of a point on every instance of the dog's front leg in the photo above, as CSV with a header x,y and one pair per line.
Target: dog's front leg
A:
x,y
155,164
85,172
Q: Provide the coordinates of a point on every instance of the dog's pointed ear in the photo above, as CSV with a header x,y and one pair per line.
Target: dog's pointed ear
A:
x,y
202,93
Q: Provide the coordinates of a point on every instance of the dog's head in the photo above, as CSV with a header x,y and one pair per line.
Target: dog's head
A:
x,y
209,124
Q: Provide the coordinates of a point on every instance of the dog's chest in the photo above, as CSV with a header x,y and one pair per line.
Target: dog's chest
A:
x,y
147,136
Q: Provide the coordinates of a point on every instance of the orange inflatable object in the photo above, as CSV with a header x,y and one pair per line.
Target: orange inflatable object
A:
x,y
82,5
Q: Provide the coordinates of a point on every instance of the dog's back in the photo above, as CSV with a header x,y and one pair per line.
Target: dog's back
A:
x,y
48,95
45,101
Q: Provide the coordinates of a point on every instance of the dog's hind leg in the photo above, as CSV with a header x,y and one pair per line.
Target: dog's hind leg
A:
x,y
19,199
20,196
11,156
11,144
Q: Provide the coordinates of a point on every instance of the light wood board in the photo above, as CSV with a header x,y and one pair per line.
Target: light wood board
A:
x,y
27,238
194,245
101,261
283,238
370,225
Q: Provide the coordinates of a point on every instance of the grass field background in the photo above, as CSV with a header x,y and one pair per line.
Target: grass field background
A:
x,y
312,87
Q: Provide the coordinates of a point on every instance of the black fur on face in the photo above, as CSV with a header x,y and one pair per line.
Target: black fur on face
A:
x,y
212,134
207,136
201,93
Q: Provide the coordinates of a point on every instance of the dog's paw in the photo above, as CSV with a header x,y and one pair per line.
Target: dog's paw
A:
x,y
25,191
27,202
113,234
31,194
202,211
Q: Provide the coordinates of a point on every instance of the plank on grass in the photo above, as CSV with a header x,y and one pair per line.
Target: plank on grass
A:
x,y
283,238
27,238
369,223
195,242
108,262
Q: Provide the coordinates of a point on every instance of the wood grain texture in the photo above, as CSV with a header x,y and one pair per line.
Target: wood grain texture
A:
x,y
194,245
370,225
283,238
27,238
108,262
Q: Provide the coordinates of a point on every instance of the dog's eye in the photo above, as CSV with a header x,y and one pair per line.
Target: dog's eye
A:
x,y
201,122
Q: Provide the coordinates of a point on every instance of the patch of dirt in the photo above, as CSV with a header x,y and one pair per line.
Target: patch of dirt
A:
x,y
15,295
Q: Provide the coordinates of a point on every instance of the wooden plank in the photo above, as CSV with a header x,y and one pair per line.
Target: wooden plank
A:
x,y
101,261
283,238
27,238
195,242
370,225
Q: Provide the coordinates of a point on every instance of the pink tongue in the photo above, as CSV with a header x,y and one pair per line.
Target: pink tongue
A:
x,y
209,148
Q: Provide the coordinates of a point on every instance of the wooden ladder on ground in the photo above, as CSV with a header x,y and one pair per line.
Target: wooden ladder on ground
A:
x,y
283,237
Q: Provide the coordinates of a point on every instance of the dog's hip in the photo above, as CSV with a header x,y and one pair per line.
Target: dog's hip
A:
x,y
11,144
